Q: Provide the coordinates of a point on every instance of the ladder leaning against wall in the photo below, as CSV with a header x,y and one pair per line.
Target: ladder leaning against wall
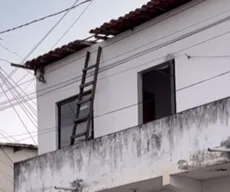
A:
x,y
81,100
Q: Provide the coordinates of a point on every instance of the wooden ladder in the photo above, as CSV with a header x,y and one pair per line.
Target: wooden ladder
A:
x,y
89,117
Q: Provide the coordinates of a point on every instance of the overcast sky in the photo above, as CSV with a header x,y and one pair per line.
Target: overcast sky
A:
x,y
17,12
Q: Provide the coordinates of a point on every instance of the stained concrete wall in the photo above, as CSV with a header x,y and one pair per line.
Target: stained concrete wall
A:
x,y
7,159
186,30
219,184
132,155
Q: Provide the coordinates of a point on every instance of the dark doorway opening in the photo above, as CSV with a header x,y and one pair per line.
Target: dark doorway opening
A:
x,y
158,92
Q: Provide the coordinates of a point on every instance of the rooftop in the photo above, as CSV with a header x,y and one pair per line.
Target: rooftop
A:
x,y
58,54
137,17
129,21
18,145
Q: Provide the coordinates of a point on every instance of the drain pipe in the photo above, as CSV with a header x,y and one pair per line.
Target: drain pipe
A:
x,y
221,150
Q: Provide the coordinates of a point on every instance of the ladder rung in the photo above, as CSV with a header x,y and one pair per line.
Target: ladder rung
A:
x,y
90,67
81,119
86,84
83,101
78,135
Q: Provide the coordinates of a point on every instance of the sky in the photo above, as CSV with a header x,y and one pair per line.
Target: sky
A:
x,y
20,42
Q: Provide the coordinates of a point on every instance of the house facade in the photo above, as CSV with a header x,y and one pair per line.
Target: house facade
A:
x,y
161,102
11,153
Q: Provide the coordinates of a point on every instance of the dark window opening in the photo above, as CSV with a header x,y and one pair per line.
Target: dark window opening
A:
x,y
66,117
158,92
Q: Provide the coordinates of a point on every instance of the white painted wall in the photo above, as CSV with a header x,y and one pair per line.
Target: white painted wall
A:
x,y
117,86
7,159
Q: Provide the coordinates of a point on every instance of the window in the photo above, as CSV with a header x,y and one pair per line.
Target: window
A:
x,y
157,92
66,117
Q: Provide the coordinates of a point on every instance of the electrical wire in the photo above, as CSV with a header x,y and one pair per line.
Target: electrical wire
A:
x,y
38,42
43,37
203,81
6,155
137,31
11,74
43,18
9,78
13,136
146,27
163,20
65,15
48,130
14,102
197,83
150,42
15,53
67,11
51,30
10,51
78,78
126,60
8,165
18,94
28,113
47,34
7,138
16,111
23,83
28,86
4,60
79,17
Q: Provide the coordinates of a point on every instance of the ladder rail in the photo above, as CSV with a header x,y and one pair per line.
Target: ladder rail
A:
x,y
89,117
80,96
89,123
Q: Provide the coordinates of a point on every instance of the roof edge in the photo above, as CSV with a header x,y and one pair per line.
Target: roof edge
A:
x,y
21,145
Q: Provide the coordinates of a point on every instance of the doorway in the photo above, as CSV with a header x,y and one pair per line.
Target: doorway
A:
x,y
158,98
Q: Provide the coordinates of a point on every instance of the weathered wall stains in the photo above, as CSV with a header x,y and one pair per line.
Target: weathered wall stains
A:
x,y
78,185
134,154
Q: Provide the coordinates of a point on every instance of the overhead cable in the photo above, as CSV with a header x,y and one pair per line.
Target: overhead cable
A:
x,y
72,25
6,155
23,60
26,111
10,51
42,40
133,57
48,130
16,86
149,42
51,30
4,60
43,18
6,137
16,110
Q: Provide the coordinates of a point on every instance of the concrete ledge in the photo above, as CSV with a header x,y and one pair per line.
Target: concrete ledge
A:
x,y
171,145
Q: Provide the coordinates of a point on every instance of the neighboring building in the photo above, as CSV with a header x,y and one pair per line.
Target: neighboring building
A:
x,y
162,99
11,153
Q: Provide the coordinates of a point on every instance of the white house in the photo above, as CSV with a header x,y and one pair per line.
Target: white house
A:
x,y
161,101
11,153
